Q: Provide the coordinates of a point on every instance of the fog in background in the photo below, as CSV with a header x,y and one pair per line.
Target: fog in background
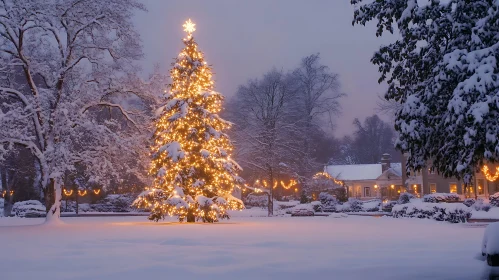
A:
x,y
244,39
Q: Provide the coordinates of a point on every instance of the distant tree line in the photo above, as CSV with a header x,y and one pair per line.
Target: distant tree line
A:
x,y
284,124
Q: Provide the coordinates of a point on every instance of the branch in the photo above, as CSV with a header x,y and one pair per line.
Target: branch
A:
x,y
107,104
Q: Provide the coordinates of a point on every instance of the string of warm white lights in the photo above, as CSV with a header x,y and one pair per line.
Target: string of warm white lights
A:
x,y
80,192
327,176
488,176
194,172
4,193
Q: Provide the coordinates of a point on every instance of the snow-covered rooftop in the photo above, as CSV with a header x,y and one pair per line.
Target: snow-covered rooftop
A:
x,y
354,172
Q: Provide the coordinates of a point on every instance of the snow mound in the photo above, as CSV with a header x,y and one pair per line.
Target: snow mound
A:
x,y
490,241
338,215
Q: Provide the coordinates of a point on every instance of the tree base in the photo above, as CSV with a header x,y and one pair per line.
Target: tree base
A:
x,y
191,218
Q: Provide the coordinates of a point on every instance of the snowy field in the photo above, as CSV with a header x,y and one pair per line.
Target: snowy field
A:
x,y
120,248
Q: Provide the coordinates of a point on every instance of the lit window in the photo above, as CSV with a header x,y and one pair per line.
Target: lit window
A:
x,y
453,188
433,188
480,186
367,192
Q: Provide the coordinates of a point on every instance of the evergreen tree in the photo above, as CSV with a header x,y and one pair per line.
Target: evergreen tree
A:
x,y
194,172
443,71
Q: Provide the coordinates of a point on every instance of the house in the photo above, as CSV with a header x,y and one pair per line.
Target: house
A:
x,y
483,184
388,180
368,181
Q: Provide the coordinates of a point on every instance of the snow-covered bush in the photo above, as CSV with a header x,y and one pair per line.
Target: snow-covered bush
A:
x,y
481,205
29,208
110,203
355,204
441,197
469,202
317,206
302,210
494,199
387,207
405,198
256,200
371,205
328,202
114,203
453,213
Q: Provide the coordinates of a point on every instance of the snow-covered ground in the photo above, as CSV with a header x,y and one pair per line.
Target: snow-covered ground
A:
x,y
120,248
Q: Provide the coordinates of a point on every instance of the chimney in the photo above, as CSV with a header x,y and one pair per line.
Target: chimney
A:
x,y
385,162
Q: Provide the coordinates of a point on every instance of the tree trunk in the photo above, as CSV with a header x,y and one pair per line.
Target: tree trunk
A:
x,y
49,195
7,202
53,198
271,195
191,218
76,201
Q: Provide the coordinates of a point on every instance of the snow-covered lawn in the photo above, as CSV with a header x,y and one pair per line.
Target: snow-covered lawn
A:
x,y
119,248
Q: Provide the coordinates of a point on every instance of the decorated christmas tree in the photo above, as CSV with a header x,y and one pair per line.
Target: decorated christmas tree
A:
x,y
193,169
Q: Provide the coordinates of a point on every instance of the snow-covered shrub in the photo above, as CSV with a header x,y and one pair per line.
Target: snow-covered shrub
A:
x,y
29,208
405,198
371,205
469,202
481,205
387,207
494,199
355,204
328,202
283,205
317,206
453,213
440,197
256,200
302,210
114,203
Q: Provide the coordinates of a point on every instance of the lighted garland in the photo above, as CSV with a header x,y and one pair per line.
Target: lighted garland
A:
x,y
488,176
4,193
327,176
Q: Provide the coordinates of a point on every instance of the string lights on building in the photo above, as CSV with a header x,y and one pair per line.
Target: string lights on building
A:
x,y
488,176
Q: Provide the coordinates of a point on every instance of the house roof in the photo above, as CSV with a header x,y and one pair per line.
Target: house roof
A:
x,y
355,172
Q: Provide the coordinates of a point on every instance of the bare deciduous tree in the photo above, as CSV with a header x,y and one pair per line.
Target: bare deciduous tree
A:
x,y
61,62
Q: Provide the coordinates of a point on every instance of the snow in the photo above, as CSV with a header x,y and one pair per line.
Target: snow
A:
x,y
130,248
174,150
360,171
493,213
490,241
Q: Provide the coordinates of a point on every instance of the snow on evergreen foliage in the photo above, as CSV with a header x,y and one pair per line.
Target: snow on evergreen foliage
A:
x,y
453,212
405,198
469,202
328,202
441,197
494,199
194,173
355,204
480,205
444,73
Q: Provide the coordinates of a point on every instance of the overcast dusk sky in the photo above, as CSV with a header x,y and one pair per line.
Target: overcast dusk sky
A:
x,y
244,39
